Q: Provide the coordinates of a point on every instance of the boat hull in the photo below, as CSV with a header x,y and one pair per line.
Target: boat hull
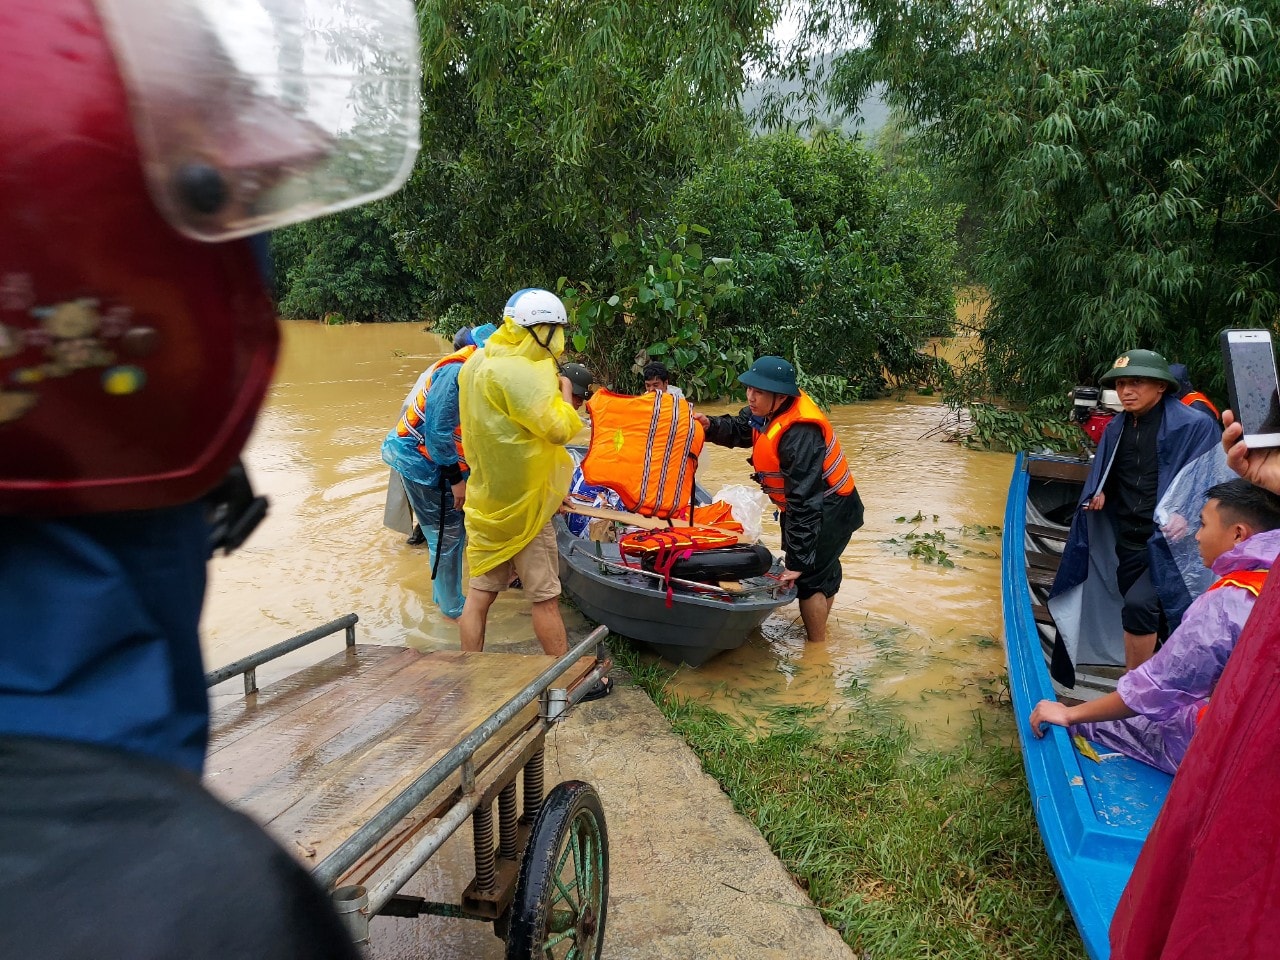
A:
x,y
1093,816
685,627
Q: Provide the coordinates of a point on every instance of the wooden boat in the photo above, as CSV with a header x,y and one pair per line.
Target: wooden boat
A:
x,y
684,621
1093,815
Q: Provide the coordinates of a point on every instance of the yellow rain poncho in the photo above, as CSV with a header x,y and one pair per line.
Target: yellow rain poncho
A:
x,y
515,425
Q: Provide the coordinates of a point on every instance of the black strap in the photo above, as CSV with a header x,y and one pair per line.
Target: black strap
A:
x,y
233,511
435,562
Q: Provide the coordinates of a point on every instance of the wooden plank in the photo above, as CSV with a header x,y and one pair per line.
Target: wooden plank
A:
x,y
1040,578
1044,532
1043,561
316,769
1069,470
637,520
1042,614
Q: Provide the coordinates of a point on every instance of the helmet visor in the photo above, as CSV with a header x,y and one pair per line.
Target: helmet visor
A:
x,y
254,114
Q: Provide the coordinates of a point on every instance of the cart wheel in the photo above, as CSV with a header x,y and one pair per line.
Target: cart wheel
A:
x,y
563,889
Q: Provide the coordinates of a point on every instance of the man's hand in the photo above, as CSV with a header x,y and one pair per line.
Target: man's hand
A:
x,y
1048,711
566,389
789,577
1176,528
459,494
1260,467
703,419
1098,502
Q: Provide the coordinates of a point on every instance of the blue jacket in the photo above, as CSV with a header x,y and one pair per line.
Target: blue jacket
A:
x,y
1184,435
402,454
99,639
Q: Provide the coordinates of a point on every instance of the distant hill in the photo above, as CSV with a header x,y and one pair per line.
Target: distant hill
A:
x,y
872,111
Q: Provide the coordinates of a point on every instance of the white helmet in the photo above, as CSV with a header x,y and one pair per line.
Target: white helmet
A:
x,y
531,306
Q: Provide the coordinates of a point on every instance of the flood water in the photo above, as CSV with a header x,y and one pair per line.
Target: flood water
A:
x,y
912,636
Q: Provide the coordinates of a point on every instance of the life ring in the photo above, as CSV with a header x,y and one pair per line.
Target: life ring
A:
x,y
722,563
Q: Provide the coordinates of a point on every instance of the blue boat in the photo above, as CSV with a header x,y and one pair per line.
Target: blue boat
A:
x,y
1093,815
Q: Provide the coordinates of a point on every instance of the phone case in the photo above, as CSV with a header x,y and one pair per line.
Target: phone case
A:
x,y
1232,389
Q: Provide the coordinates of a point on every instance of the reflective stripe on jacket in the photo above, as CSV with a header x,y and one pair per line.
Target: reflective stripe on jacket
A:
x,y
1251,580
415,413
1195,396
764,453
645,448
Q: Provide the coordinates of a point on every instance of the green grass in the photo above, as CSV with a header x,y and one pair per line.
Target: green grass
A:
x,y
907,853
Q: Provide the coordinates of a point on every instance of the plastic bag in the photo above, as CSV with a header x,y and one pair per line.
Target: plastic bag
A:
x,y
748,505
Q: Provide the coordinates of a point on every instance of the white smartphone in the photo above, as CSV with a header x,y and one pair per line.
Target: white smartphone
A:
x,y
1250,365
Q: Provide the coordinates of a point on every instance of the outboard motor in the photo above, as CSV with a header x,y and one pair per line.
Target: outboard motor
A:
x,y
1092,409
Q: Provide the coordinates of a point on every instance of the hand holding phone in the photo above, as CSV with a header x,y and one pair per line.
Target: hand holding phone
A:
x,y
1250,365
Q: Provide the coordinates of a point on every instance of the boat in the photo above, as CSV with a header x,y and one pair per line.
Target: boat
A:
x,y
1093,815
684,621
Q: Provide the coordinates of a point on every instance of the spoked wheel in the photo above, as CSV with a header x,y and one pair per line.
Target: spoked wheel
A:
x,y
563,889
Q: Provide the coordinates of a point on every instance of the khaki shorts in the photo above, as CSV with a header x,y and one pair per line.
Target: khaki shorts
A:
x,y
537,566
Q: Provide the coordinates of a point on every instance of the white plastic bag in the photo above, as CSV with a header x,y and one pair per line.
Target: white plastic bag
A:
x,y
748,504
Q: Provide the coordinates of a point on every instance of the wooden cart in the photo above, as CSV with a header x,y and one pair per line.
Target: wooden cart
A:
x,y
366,763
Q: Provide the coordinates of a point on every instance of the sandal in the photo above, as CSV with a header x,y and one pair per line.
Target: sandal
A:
x,y
600,689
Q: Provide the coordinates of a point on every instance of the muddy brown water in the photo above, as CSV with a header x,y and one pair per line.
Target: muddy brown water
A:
x,y
911,637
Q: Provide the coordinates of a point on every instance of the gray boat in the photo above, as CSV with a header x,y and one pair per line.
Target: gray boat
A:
x,y
689,623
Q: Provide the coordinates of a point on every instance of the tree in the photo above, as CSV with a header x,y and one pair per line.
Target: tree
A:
x,y
1120,158
345,267
546,128
840,268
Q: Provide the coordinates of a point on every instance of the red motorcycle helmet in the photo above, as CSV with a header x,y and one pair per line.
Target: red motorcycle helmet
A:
x,y
141,144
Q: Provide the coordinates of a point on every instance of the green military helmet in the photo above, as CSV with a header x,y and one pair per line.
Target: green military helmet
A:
x,y
1141,363
773,374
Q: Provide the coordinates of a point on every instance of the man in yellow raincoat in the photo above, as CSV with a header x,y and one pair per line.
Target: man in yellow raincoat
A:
x,y
517,416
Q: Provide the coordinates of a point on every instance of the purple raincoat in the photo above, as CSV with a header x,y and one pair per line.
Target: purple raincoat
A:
x,y
1169,689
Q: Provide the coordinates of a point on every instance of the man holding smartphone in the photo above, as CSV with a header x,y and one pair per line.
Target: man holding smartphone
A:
x,y
1113,537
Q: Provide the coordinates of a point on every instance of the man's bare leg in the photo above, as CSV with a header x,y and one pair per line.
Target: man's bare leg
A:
x,y
475,614
548,627
814,611
1138,648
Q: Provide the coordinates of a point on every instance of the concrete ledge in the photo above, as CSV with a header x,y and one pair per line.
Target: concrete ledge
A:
x,y
689,876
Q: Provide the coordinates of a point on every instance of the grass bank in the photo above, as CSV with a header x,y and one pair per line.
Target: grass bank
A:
x,y
908,853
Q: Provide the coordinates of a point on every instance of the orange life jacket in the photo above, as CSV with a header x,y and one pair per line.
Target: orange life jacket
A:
x,y
764,454
1251,580
667,547
645,448
415,413
1195,396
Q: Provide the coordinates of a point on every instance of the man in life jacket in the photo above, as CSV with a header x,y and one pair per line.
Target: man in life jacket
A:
x,y
425,448
1154,710
1114,539
145,150
799,463
517,417
1189,395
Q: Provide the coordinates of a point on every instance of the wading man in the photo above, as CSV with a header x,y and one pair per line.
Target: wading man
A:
x,y
799,463
517,417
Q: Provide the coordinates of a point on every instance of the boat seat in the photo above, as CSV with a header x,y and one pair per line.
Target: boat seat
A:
x,y
1047,533
1042,614
1043,561
1071,470
1040,577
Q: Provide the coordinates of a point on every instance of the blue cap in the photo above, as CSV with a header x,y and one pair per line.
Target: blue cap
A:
x,y
482,333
